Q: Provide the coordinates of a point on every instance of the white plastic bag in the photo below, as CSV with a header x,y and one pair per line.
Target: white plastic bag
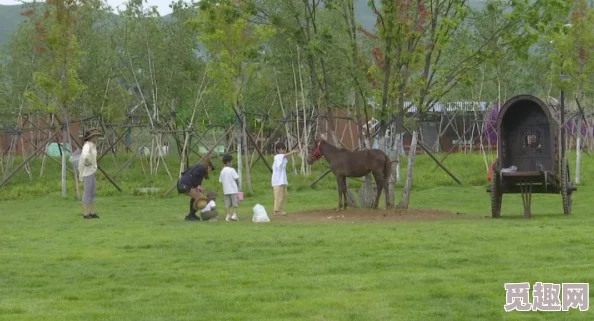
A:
x,y
260,215
75,157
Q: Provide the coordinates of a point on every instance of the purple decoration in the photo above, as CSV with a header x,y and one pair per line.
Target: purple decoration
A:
x,y
490,125
571,127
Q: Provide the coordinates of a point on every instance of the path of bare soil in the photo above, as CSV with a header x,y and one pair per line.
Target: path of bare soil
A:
x,y
368,215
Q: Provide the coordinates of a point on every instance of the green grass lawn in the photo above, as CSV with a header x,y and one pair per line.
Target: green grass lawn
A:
x,y
141,261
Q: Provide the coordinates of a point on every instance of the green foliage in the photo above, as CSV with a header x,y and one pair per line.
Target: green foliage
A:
x,y
4,85
234,46
57,85
436,49
256,55
157,61
21,61
105,95
572,45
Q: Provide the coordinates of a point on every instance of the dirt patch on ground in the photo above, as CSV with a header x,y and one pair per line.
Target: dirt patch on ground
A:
x,y
368,215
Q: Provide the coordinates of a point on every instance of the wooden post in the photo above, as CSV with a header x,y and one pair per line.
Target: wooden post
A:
x,y
100,169
578,151
74,169
65,135
578,164
35,153
435,159
404,201
78,145
266,143
562,116
249,136
319,178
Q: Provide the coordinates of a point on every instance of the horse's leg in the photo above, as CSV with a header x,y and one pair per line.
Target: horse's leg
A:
x,y
386,191
339,189
379,185
387,177
344,193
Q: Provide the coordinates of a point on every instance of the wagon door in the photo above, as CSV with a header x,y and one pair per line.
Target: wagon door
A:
x,y
526,140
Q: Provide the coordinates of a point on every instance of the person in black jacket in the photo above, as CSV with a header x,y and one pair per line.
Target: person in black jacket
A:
x,y
190,184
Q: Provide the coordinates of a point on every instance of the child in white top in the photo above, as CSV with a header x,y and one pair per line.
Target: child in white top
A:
x,y
209,212
230,181
279,178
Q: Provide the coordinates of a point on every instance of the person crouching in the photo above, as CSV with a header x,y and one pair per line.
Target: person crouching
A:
x,y
190,184
209,212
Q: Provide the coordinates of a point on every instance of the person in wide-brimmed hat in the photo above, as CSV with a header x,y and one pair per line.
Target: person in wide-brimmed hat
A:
x,y
87,166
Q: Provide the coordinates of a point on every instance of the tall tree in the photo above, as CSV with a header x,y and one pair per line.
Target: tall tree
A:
x,y
21,57
571,51
104,96
416,36
235,47
154,54
56,86
359,88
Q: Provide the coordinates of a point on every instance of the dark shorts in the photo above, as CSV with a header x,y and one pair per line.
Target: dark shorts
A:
x,y
90,189
209,215
183,188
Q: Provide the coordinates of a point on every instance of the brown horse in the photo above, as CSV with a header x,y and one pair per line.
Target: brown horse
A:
x,y
345,163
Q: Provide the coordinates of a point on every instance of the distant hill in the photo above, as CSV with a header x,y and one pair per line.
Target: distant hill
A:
x,y
10,17
9,20
367,18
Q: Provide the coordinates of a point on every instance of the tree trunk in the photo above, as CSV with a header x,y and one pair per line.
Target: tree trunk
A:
x,y
395,173
297,127
74,168
65,135
399,151
248,171
351,201
184,153
409,173
152,155
366,195
239,157
578,151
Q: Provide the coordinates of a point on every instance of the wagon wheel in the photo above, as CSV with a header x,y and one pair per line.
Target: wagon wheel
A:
x,y
496,191
565,187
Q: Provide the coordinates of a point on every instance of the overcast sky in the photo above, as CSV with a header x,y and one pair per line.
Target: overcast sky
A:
x,y
163,5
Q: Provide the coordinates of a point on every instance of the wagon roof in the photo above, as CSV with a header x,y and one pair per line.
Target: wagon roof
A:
x,y
521,100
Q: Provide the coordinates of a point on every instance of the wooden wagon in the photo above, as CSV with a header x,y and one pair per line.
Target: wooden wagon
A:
x,y
531,154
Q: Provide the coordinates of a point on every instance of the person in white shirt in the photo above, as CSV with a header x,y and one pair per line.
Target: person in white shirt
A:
x,y
279,178
209,212
230,181
87,166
